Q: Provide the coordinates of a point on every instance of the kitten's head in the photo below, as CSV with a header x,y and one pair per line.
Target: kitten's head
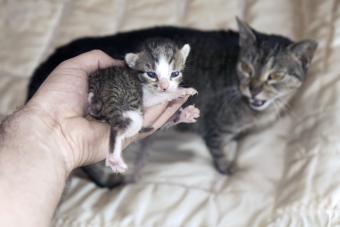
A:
x,y
160,63
271,68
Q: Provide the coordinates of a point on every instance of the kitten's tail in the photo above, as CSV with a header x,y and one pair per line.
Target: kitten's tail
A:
x,y
103,176
118,123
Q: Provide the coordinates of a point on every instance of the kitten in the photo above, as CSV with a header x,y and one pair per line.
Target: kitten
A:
x,y
118,95
223,66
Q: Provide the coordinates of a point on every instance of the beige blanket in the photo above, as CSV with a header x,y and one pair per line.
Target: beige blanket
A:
x,y
289,173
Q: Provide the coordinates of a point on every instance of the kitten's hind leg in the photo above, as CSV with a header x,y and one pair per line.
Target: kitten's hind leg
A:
x,y
114,159
124,126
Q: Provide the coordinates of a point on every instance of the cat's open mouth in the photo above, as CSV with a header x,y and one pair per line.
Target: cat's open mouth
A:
x,y
258,104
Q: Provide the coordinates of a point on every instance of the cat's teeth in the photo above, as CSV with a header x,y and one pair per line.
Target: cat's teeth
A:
x,y
257,103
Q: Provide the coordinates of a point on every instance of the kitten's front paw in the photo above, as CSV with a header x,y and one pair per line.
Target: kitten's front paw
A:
x,y
187,91
189,114
116,163
225,167
191,91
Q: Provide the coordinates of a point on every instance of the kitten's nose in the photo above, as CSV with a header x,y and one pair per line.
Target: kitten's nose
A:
x,y
255,89
163,84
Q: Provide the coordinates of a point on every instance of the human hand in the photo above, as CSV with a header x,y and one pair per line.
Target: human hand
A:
x,y
61,103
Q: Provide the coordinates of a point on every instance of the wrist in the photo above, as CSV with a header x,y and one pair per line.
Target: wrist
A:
x,y
34,134
33,170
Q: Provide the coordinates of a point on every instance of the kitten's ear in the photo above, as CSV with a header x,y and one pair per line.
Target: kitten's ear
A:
x,y
185,51
304,51
131,59
247,36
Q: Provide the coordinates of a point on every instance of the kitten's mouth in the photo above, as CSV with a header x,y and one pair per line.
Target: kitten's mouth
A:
x,y
257,104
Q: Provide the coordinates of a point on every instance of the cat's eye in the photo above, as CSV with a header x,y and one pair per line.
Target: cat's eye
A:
x,y
175,74
274,76
246,68
152,75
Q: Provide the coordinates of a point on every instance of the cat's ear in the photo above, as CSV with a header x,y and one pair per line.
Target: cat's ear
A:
x,y
185,51
131,59
247,37
304,51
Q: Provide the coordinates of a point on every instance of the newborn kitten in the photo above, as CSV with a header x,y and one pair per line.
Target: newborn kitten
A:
x,y
118,95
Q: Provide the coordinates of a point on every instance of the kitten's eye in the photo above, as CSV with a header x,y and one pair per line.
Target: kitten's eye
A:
x,y
152,75
246,68
274,76
174,74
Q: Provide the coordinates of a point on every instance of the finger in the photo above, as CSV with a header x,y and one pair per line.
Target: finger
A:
x,y
69,80
71,72
169,111
93,60
152,113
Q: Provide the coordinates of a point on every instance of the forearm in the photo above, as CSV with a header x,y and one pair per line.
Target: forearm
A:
x,y
32,177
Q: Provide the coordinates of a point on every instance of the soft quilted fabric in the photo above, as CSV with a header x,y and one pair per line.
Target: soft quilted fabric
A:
x,y
289,173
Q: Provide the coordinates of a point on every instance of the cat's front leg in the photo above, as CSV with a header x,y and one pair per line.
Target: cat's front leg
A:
x,y
223,149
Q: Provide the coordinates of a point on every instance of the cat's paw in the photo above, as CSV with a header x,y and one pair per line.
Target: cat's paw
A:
x,y
116,163
225,167
187,91
191,91
188,115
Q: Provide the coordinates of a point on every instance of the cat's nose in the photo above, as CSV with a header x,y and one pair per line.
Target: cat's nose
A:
x,y
163,84
255,89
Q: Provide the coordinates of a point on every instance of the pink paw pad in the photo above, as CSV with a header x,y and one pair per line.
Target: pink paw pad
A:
x,y
189,114
116,163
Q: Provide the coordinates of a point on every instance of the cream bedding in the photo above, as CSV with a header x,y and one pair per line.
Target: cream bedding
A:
x,y
289,173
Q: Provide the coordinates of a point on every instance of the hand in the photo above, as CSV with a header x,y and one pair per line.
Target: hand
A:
x,y
42,142
61,103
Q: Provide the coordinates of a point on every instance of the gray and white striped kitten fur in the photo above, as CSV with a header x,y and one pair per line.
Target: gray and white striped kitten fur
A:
x,y
118,95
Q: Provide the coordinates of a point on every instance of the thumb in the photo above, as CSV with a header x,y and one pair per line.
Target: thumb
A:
x,y
94,142
100,145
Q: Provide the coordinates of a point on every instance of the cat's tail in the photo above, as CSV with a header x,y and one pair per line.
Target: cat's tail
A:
x,y
103,176
118,124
